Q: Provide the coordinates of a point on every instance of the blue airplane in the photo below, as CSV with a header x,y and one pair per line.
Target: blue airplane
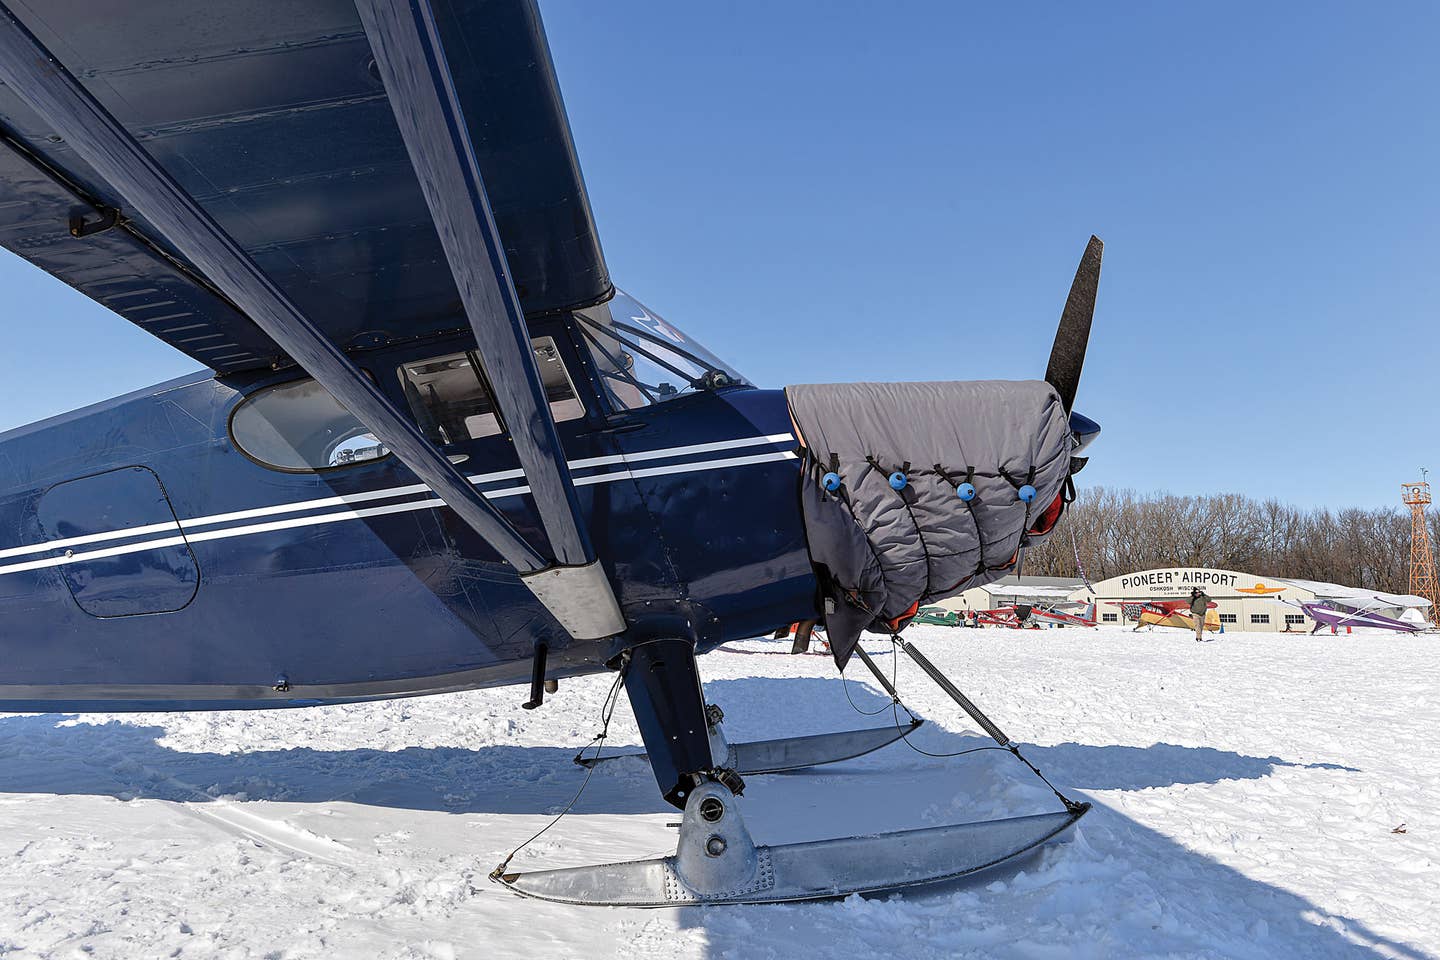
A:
x,y
434,448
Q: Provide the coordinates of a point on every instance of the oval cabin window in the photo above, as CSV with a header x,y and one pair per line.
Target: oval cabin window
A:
x,y
299,426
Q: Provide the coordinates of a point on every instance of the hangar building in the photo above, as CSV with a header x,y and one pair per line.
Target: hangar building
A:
x,y
1036,591
1244,601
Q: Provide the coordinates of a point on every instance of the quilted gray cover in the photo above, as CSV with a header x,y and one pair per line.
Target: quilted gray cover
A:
x,y
884,550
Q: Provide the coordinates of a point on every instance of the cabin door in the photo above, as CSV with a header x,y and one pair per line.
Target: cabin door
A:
x,y
125,554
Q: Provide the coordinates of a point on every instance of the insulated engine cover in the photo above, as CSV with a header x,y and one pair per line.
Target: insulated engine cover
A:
x,y
881,550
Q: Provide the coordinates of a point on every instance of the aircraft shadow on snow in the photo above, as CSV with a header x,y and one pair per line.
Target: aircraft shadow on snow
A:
x,y
895,788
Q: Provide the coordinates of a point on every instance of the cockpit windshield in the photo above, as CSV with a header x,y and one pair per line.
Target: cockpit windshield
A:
x,y
643,359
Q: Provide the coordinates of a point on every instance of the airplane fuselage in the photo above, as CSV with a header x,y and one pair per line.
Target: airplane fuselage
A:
x,y
152,559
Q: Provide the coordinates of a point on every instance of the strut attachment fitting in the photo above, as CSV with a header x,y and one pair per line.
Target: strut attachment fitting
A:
x,y
107,217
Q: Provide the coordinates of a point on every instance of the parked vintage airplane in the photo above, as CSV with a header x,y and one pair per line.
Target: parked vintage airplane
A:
x,y
1355,613
1022,615
435,448
1167,613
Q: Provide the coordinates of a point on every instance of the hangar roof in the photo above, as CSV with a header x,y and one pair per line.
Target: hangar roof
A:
x,y
1040,588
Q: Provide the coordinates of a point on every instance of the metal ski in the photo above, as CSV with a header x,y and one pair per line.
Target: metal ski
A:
x,y
716,861
790,753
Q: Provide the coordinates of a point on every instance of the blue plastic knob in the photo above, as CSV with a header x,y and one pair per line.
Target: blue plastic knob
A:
x,y
831,481
898,480
1027,493
966,492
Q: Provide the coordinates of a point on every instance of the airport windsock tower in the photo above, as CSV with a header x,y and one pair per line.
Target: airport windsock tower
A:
x,y
1422,562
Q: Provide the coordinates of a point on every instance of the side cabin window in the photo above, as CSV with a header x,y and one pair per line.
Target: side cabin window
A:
x,y
449,400
452,401
298,426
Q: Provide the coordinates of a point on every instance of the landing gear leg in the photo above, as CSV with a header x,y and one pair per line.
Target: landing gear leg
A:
x,y
664,689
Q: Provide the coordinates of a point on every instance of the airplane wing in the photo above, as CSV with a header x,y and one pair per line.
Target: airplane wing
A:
x,y
275,119
262,183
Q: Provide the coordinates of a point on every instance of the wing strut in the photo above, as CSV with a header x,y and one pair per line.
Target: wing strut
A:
x,y
410,58
101,141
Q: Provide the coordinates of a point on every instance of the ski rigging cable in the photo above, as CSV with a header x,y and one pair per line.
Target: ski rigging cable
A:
x,y
896,705
986,724
607,710
894,671
964,702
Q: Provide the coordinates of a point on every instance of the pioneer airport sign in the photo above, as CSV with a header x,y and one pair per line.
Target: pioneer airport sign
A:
x,y
1172,582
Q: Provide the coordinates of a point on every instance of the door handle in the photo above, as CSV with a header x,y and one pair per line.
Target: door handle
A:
x,y
629,427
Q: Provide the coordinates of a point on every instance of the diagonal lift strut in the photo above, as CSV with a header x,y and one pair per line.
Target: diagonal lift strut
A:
x,y
410,58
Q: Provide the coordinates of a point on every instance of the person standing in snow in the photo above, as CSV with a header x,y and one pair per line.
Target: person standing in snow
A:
x,y
1199,603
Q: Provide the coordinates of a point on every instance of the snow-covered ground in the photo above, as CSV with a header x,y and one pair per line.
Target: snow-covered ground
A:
x,y
1246,792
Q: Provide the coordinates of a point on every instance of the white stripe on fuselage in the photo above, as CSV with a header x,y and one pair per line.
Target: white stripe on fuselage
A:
x,y
334,516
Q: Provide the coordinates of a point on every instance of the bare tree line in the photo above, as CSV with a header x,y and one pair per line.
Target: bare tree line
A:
x,y
1122,531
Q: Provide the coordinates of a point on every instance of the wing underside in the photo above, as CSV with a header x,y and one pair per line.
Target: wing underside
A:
x,y
274,118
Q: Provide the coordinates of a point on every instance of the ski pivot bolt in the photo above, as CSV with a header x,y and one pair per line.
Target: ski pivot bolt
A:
x,y
831,481
966,492
898,480
1027,493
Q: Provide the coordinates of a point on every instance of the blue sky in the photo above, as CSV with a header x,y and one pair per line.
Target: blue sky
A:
x,y
845,191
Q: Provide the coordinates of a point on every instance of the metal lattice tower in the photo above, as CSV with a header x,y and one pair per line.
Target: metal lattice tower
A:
x,y
1422,563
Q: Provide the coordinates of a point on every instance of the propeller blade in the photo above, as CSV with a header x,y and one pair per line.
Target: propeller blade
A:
x,y
1067,356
